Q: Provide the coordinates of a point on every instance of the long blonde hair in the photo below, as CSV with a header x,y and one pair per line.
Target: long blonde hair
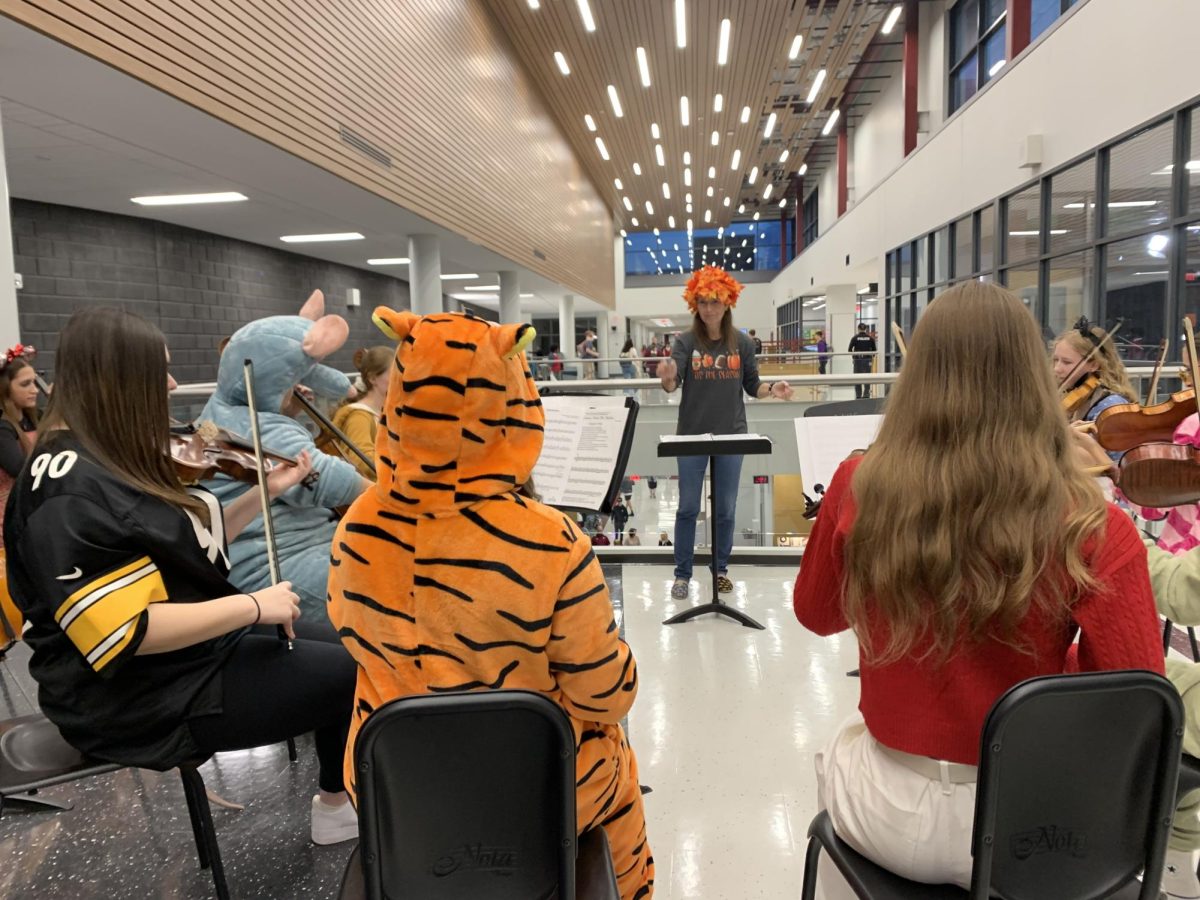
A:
x,y
970,506
1112,372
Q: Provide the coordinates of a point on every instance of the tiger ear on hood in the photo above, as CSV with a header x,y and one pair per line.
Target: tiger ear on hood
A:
x,y
396,324
509,340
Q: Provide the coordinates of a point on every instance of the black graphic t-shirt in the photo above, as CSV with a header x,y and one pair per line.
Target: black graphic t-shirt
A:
x,y
87,554
713,380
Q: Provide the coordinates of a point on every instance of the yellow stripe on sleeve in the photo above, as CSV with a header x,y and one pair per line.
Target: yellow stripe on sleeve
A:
x,y
100,617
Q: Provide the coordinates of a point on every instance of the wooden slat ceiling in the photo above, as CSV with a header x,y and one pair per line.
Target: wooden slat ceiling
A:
x,y
758,74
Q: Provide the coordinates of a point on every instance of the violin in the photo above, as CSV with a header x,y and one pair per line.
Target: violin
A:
x,y
199,452
1076,396
1121,428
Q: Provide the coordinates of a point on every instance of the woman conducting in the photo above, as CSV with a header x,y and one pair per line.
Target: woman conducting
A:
x,y
713,365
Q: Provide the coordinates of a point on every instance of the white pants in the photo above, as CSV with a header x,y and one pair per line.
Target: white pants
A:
x,y
914,826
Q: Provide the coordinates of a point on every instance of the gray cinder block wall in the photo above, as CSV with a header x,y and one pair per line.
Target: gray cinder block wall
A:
x,y
197,287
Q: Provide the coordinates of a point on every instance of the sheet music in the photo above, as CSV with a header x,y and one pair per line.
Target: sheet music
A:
x,y
580,451
825,441
678,438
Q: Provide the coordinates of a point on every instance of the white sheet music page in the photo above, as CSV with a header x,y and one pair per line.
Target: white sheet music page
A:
x,y
582,443
824,442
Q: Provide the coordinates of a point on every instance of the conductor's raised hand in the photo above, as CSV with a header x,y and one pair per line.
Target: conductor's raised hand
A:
x,y
781,390
668,372
279,605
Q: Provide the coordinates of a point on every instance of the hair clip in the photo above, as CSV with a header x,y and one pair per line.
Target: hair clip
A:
x,y
1084,327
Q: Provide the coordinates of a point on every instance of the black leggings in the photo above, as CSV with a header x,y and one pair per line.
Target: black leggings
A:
x,y
270,694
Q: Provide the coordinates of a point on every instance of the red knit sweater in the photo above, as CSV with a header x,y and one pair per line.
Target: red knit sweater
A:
x,y
938,709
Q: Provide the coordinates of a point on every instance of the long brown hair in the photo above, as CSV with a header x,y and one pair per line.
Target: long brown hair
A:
x,y
728,338
373,363
970,505
110,391
1112,372
8,409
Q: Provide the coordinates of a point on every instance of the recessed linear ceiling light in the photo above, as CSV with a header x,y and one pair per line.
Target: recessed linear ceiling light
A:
x,y
618,185
737,159
783,203
742,209
388,261
708,215
723,42
687,158
833,118
767,191
712,171
600,146
460,276
634,222
890,22
637,170
797,43
1035,233
726,201
816,87
716,138
753,177
684,114
783,156
643,66
718,103
317,238
628,203
654,132
534,4
188,199
680,25
671,224
589,122
561,62
710,190
527,296
745,117
585,13
658,155
771,119
803,170
666,191
481,287
1118,204
756,218
687,178
615,101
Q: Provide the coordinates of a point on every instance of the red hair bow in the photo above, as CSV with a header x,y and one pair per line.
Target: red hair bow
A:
x,y
18,351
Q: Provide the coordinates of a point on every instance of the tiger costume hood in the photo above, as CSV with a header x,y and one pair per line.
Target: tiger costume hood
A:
x,y
462,420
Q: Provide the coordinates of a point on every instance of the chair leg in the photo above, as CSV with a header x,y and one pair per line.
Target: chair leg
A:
x,y
1195,648
291,742
809,889
202,826
1166,636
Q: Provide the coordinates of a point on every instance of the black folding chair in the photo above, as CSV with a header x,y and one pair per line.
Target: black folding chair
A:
x,y
865,406
33,755
1076,792
471,795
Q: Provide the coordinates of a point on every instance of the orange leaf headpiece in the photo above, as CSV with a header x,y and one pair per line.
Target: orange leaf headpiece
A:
x,y
712,281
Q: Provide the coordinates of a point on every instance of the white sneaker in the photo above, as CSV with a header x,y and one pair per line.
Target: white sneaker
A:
x,y
333,824
1179,879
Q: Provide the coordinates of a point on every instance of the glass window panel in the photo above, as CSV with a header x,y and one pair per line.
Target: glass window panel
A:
x,y
964,247
921,261
1135,289
1023,281
905,267
1043,14
992,10
994,55
1193,165
964,81
987,239
964,29
1024,224
889,273
1139,197
920,300
1072,206
941,255
1191,279
1068,291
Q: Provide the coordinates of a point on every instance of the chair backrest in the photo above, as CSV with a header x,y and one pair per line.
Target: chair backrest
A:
x,y
1076,786
468,795
867,406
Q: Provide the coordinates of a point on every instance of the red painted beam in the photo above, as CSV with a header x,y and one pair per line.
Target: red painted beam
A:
x,y
911,54
1018,18
798,181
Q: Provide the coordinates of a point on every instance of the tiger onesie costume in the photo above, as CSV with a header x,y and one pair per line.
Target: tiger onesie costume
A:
x,y
445,578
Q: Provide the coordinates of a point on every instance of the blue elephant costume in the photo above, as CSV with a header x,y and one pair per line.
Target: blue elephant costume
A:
x,y
287,351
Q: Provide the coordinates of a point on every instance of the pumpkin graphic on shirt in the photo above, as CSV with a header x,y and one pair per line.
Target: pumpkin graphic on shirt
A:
x,y
735,361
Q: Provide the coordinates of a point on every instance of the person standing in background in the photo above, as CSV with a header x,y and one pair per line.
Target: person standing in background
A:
x,y
822,351
757,343
862,345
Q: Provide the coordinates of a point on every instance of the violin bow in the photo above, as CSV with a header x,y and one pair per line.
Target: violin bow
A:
x,y
898,334
264,495
324,421
1158,367
1087,359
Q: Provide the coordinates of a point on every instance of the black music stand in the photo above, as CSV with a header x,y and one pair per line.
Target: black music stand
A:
x,y
712,446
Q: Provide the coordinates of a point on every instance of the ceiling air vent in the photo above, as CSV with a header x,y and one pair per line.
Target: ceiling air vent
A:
x,y
365,147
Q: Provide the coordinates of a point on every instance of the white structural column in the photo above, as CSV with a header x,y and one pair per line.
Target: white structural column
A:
x,y
566,326
605,341
840,303
10,327
510,297
425,274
